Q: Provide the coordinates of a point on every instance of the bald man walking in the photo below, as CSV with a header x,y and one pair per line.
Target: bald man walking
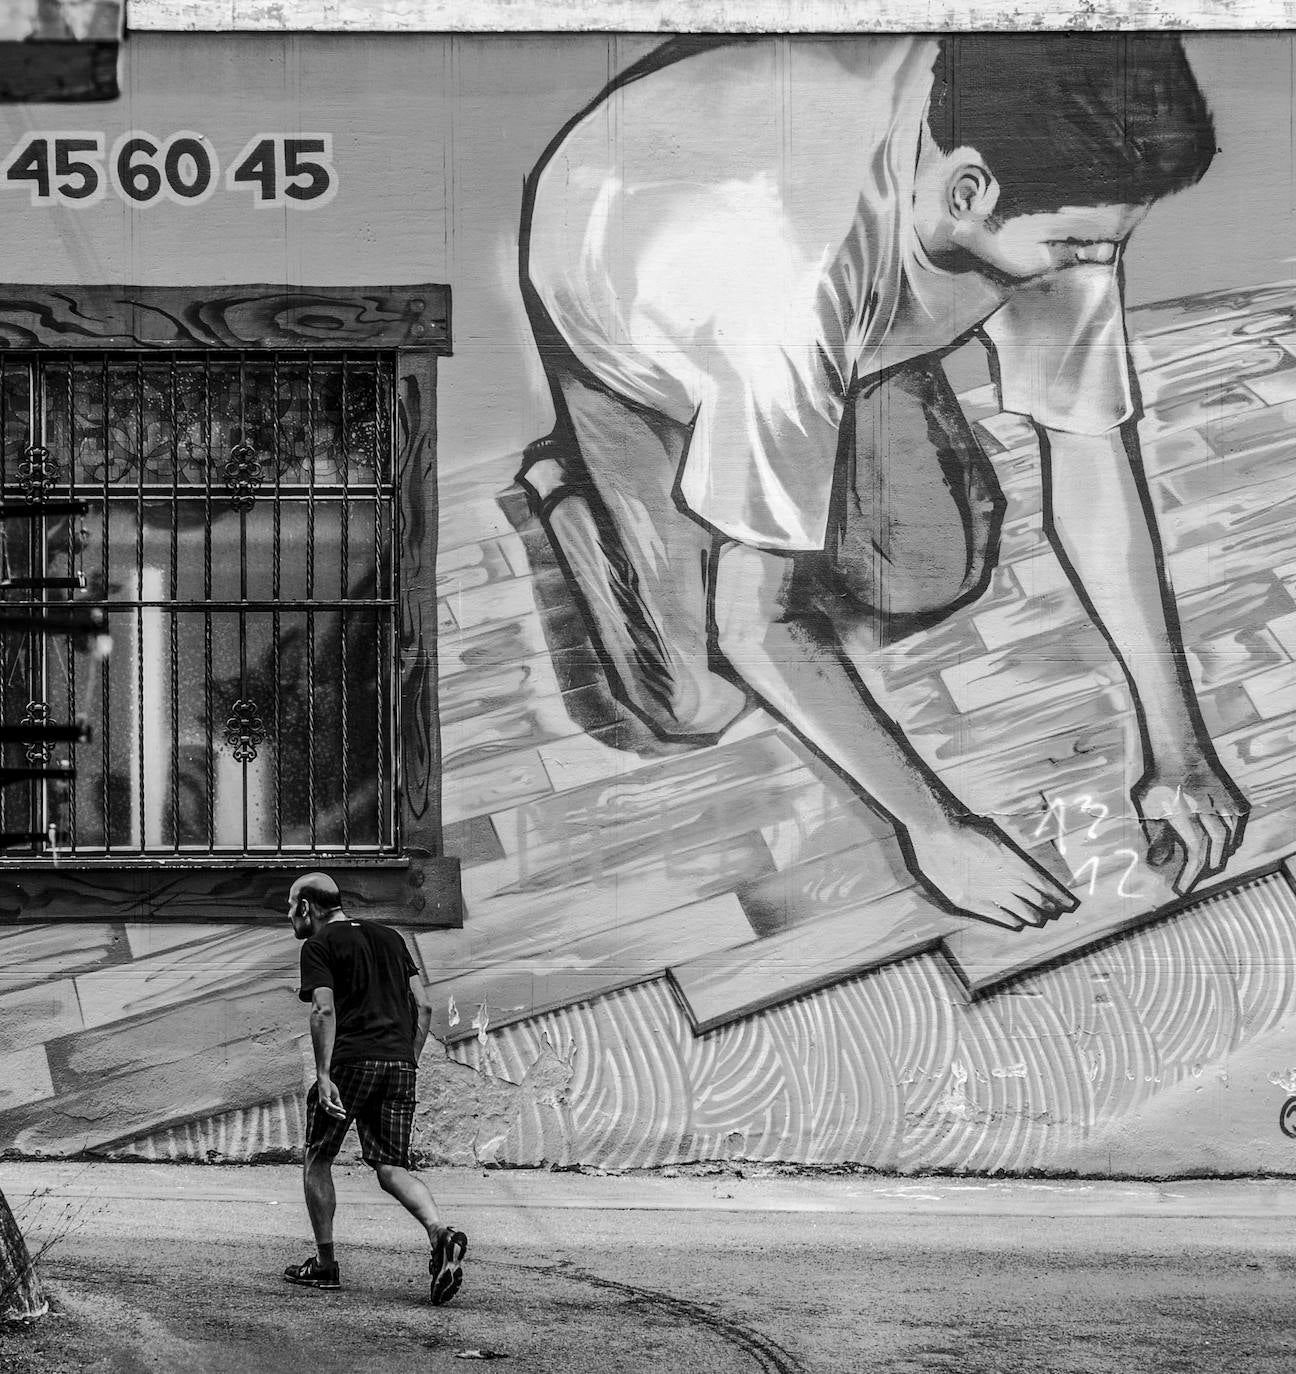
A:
x,y
369,1022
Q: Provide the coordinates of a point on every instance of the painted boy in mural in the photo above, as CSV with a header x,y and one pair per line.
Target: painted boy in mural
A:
x,y
742,264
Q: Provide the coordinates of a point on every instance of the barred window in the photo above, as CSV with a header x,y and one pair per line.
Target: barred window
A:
x,y
239,480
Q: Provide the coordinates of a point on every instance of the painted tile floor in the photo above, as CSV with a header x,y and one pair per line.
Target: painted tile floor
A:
x,y
752,873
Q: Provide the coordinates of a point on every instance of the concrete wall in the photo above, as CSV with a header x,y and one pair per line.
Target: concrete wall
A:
x,y
674,948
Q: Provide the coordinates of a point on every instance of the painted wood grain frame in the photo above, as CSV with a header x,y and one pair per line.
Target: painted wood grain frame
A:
x,y
420,749
421,888
203,317
423,891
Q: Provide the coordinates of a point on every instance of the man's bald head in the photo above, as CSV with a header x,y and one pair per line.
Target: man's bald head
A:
x,y
318,889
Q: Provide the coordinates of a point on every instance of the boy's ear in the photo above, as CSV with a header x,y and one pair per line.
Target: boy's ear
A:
x,y
971,192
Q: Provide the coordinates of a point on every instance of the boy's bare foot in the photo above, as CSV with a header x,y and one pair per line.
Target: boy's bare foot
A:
x,y
974,866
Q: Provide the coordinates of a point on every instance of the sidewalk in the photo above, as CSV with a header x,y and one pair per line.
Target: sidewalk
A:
x,y
156,1267
755,1188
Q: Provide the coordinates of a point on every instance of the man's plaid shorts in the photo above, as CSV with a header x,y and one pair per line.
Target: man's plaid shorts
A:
x,y
378,1095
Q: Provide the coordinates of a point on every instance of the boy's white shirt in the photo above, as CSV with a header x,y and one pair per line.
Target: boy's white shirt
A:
x,y
729,240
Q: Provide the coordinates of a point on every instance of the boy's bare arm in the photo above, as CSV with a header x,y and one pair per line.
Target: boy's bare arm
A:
x,y
1099,518
806,680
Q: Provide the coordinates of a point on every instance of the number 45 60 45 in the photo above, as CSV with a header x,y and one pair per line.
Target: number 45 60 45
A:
x,y
78,169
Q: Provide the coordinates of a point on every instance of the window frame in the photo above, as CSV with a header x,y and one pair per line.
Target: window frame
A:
x,y
419,886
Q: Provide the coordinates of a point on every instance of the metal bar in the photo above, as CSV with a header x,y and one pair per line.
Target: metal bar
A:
x,y
12,512
37,839
172,620
207,619
276,592
382,396
104,678
59,772
243,584
391,588
75,583
5,514
325,494
242,514
161,603
36,568
49,733
243,691
344,586
207,717
141,804
262,857
344,581
310,594
77,580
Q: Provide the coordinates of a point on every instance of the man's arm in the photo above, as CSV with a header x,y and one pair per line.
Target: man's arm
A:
x,y
806,680
1099,518
424,1022
323,1025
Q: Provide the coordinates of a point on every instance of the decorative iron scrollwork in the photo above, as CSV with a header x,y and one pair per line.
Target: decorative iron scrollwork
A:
x,y
244,730
38,472
243,475
37,713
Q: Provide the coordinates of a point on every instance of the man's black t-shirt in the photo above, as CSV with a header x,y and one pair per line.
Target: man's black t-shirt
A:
x,y
368,967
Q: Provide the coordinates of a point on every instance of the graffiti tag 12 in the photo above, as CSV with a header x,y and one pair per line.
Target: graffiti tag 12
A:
x,y
1065,817
81,169
1287,1118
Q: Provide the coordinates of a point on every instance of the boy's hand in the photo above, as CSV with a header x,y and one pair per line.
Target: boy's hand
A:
x,y
1195,806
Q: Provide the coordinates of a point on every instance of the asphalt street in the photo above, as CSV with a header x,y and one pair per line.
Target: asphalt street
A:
x,y
177,1268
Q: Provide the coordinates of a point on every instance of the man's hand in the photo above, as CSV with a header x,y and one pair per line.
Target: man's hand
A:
x,y
329,1097
1196,807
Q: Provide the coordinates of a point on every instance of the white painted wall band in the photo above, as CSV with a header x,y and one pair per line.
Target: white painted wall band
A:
x,y
650,16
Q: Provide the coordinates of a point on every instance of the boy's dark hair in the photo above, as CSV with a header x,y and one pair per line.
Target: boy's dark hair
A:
x,y
1073,119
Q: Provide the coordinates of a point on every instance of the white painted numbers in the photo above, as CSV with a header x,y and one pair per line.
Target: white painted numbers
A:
x,y
1060,816
77,169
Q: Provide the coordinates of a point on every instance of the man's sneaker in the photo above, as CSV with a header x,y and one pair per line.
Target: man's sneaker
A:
x,y
446,1264
312,1274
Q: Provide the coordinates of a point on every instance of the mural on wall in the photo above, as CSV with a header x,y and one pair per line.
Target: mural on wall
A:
x,y
882,657
868,714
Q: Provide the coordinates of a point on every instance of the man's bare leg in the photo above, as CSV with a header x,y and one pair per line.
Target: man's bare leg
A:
x,y
445,1264
802,676
412,1194
321,1197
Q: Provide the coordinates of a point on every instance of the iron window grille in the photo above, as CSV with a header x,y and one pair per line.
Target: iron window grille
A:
x,y
241,549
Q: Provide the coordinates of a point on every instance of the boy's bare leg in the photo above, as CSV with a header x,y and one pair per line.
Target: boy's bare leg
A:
x,y
802,676
640,563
